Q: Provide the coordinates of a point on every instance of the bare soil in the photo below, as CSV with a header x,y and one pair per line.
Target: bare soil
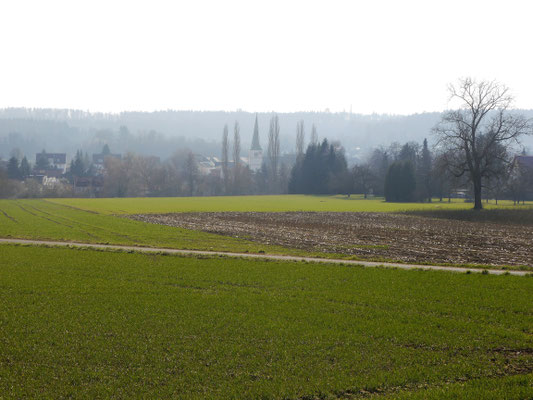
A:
x,y
371,236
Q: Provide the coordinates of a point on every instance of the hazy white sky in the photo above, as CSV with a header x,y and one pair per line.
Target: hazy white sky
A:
x,y
377,56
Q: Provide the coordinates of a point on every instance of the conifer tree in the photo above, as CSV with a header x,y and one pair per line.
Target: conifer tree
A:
x,y
25,168
400,182
42,162
13,171
424,173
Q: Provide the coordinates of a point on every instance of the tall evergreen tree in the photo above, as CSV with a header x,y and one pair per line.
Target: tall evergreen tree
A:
x,y
42,161
409,153
424,173
25,168
13,171
400,182
321,170
76,165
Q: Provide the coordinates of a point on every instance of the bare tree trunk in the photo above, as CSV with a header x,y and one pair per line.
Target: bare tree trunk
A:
x,y
225,159
191,170
314,135
273,151
478,137
478,205
236,158
300,138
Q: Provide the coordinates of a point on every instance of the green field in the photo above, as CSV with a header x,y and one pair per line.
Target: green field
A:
x,y
145,205
93,324
100,220
40,219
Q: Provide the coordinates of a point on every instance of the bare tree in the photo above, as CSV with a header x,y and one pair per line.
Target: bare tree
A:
x,y
445,182
300,137
236,157
225,158
479,135
191,172
314,135
149,173
273,148
236,144
520,179
363,179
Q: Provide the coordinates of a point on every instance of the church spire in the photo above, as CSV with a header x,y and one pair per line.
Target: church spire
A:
x,y
255,140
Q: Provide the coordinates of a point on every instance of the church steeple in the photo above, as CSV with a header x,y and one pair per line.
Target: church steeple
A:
x,y
255,139
255,160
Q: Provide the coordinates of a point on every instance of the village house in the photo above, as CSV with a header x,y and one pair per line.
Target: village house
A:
x,y
56,164
56,161
524,163
91,185
99,160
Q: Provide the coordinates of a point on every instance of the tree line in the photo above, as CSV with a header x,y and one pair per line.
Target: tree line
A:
x,y
474,156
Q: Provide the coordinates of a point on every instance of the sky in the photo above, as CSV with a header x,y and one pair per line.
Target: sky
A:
x,y
394,57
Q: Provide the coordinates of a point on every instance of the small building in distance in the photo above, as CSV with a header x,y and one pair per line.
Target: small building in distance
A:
x,y
524,162
46,180
99,160
89,185
205,164
54,161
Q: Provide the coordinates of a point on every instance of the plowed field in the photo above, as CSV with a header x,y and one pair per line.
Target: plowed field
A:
x,y
369,235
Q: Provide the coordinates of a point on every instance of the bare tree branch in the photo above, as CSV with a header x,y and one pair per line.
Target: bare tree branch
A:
x,y
477,138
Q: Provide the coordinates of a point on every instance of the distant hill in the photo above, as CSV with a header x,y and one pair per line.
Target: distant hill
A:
x,y
161,133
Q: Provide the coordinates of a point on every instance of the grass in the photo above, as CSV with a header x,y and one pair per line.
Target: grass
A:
x,y
515,216
93,324
44,220
88,221
280,203
39,219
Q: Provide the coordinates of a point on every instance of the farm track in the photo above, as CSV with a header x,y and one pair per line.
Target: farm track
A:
x,y
8,216
402,238
260,256
78,224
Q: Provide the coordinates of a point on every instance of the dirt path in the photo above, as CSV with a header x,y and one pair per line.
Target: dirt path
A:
x,y
260,256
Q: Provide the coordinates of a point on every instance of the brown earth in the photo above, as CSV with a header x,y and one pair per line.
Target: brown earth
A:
x,y
369,236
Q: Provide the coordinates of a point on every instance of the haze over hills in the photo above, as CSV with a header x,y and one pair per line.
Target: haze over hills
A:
x,y
163,132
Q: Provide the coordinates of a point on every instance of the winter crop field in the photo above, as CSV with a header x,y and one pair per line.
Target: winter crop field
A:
x,y
258,204
96,324
86,323
40,219
380,236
